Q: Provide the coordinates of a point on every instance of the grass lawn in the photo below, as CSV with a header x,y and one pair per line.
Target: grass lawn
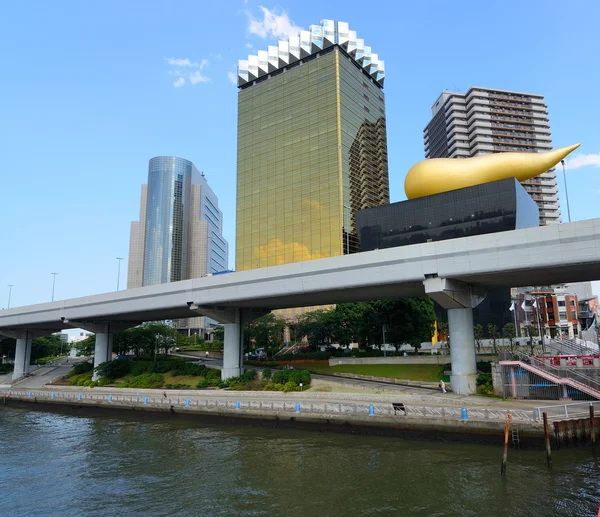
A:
x,y
410,372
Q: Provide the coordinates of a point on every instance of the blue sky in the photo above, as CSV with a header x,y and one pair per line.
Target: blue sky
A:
x,y
90,91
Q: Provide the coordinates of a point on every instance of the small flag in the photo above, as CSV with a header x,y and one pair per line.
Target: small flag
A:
x,y
523,306
535,304
512,306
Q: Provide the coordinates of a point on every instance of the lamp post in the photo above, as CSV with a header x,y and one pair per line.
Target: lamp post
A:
x,y
53,283
347,227
10,286
562,162
119,271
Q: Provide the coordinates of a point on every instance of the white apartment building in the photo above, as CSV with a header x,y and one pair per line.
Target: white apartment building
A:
x,y
486,120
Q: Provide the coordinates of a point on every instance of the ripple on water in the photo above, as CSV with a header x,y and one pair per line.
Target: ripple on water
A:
x,y
62,465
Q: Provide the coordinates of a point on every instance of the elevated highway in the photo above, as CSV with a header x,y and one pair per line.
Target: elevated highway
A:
x,y
454,272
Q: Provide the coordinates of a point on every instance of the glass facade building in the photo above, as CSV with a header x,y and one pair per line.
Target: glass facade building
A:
x,y
312,147
167,220
493,207
180,232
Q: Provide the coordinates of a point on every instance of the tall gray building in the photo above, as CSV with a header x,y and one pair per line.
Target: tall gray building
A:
x,y
179,234
486,120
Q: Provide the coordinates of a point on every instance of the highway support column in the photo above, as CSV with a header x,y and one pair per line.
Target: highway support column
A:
x,y
459,299
233,320
22,355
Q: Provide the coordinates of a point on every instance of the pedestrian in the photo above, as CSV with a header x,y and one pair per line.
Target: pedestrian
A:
x,y
405,354
164,394
442,386
206,354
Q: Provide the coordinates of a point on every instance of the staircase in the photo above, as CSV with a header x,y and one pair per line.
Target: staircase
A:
x,y
560,376
571,347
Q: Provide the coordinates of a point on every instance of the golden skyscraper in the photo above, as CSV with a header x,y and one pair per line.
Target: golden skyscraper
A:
x,y
311,146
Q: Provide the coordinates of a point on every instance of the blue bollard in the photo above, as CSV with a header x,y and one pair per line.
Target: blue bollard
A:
x,y
145,400
371,410
237,404
79,396
110,398
53,395
137,394
463,414
297,407
29,394
187,402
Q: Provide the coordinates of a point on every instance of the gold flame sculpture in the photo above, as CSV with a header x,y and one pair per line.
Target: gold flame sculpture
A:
x,y
444,174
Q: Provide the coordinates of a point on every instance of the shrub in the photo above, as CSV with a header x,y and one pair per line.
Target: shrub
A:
x,y
81,382
294,376
484,384
114,369
290,386
273,386
6,368
484,366
207,383
81,368
177,386
103,382
266,373
145,381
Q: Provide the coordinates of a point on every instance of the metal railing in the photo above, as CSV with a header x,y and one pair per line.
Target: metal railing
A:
x,y
533,378
572,346
580,410
378,409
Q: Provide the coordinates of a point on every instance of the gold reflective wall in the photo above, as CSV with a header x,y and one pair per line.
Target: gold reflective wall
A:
x,y
310,140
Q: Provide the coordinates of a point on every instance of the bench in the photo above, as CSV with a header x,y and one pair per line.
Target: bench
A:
x,y
398,406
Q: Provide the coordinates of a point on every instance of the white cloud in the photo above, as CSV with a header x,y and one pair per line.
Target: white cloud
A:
x,y
273,25
583,160
179,62
232,77
249,45
181,71
197,77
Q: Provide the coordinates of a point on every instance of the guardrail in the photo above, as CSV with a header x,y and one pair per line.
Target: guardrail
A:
x,y
577,410
319,408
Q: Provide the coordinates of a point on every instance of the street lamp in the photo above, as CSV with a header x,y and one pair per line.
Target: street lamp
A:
x,y
562,162
347,229
53,283
119,271
10,286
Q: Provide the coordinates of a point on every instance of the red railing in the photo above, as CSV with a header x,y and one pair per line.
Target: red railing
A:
x,y
588,360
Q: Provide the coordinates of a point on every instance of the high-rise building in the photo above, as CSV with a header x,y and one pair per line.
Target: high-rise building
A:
x,y
312,146
180,232
486,120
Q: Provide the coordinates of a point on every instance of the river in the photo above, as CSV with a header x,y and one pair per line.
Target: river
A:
x,y
56,464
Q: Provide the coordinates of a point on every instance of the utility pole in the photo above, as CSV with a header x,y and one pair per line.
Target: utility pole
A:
x,y
53,283
562,162
119,271
10,286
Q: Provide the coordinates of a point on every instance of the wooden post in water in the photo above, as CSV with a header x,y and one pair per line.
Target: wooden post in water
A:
x,y
547,438
505,453
592,427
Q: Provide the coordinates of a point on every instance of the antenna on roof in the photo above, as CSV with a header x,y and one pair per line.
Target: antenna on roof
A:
x,y
202,172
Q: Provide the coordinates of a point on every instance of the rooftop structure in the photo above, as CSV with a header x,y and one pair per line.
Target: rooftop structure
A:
x,y
288,54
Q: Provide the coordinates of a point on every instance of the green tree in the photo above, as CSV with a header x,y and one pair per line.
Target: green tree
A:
x,y
494,334
46,346
510,333
478,331
7,347
317,327
219,333
266,331
86,347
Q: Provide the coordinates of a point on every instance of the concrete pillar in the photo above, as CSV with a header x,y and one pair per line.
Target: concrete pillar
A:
x,y
458,299
22,357
233,347
101,351
596,362
462,351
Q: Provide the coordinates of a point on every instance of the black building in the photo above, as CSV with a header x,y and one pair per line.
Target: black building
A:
x,y
489,208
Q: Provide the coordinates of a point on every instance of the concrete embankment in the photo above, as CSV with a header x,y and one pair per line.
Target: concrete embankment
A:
x,y
444,423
